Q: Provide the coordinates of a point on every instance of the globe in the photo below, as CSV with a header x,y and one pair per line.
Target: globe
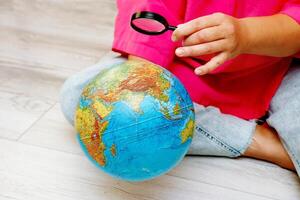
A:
x,y
135,121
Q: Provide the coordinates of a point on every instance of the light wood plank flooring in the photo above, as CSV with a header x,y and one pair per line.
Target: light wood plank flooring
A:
x,y
42,42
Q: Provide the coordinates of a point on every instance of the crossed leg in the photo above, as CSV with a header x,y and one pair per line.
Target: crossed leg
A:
x,y
266,145
280,144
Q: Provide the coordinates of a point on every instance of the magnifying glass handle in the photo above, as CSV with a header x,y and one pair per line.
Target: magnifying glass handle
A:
x,y
172,28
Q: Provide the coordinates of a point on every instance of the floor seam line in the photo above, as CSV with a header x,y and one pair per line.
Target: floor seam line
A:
x,y
34,123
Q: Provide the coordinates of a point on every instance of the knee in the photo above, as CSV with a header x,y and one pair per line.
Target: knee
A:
x,y
69,97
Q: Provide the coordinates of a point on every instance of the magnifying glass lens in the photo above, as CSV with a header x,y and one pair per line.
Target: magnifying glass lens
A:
x,y
149,25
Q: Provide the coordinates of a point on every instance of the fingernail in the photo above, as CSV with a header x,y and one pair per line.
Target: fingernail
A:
x,y
199,71
174,38
179,52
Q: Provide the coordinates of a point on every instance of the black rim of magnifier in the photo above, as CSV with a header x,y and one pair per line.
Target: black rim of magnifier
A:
x,y
153,16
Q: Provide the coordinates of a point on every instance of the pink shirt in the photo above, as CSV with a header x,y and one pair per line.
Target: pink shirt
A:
x,y
243,86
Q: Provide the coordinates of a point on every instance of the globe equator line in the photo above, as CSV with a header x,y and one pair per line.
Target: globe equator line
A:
x,y
150,119
133,136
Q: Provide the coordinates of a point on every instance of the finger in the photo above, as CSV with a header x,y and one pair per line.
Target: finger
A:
x,y
201,49
205,35
196,25
212,64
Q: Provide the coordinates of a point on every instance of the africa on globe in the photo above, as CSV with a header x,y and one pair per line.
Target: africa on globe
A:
x,y
135,121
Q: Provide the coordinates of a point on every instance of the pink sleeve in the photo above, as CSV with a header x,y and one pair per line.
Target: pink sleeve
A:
x,y
292,9
158,49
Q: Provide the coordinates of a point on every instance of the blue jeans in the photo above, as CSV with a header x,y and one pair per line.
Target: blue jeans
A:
x,y
216,134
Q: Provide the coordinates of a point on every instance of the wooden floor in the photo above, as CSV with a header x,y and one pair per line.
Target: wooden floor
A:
x,y
42,42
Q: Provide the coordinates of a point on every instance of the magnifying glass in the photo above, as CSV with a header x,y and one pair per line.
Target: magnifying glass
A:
x,y
150,23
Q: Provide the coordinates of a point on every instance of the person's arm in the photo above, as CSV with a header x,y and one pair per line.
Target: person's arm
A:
x,y
132,57
277,35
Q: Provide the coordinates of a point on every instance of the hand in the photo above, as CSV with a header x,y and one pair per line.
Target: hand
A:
x,y
216,33
136,58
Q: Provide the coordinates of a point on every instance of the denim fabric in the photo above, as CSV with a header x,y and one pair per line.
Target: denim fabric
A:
x,y
216,134
285,114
